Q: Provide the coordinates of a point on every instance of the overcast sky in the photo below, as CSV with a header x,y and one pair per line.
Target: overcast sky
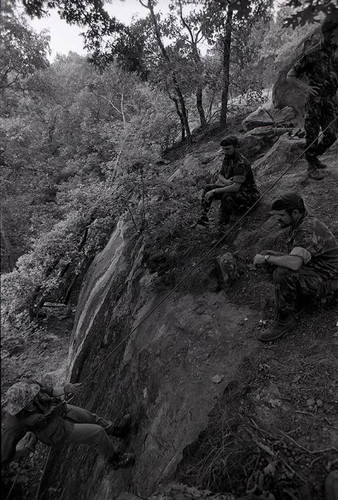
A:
x,y
65,38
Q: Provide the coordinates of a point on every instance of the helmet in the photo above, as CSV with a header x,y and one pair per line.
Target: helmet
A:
x,y
20,395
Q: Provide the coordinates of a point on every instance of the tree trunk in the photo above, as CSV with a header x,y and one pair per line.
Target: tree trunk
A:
x,y
199,90
170,66
199,104
226,43
178,111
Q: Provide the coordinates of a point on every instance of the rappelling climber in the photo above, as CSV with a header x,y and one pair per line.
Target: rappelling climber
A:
x,y
310,269
36,408
321,68
235,186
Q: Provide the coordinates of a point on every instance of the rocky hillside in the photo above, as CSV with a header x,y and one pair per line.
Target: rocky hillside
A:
x,y
212,407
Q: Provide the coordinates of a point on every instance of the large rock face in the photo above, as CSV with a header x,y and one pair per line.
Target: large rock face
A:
x,y
161,373
285,93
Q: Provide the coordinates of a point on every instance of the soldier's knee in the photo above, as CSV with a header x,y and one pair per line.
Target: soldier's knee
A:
x,y
281,274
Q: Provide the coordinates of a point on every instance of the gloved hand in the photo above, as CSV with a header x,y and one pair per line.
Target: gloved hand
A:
x,y
71,388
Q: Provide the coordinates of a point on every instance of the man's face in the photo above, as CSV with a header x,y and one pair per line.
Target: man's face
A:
x,y
228,150
284,219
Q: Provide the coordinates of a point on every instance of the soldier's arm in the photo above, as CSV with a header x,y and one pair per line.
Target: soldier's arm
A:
x,y
234,187
292,262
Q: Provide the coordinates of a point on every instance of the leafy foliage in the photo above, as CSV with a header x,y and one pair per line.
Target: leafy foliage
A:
x,y
306,11
91,15
22,51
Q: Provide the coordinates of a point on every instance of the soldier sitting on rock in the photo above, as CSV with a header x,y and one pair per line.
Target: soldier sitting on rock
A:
x,y
34,407
310,269
235,185
320,67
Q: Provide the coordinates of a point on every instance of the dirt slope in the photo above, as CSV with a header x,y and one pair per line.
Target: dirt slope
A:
x,y
270,406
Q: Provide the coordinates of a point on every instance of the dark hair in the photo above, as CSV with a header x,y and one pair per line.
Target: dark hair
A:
x,y
289,202
229,140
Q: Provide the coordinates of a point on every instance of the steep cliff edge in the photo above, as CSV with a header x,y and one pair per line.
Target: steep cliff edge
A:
x,y
162,373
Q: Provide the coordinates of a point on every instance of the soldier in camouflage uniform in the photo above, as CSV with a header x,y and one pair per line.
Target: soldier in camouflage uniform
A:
x,y
35,407
310,268
235,185
320,65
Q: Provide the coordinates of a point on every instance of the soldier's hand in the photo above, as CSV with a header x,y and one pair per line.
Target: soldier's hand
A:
x,y
71,388
259,259
209,194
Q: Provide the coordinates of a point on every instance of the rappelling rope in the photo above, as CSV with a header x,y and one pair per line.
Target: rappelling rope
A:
x,y
203,258
185,276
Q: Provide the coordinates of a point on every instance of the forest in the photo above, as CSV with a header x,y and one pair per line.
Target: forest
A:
x,y
103,159
82,137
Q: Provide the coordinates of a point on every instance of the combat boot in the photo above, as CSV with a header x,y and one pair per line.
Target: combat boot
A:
x,y
203,222
121,460
278,330
313,172
320,164
122,429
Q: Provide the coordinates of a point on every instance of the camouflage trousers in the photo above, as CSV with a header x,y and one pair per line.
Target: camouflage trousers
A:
x,y
230,202
290,286
319,113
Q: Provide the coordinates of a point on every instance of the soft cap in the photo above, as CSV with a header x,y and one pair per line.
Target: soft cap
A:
x,y
230,140
288,201
20,395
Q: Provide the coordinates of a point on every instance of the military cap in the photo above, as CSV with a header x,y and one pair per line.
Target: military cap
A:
x,y
20,395
230,140
288,201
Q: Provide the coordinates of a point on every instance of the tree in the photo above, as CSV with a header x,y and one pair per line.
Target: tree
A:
x,y
22,51
179,99
90,14
187,29
307,11
226,18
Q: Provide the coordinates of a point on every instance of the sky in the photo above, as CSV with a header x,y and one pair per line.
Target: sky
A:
x,y
65,38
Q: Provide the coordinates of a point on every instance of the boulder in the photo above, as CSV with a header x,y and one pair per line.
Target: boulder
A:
x,y
267,116
251,146
267,134
282,154
226,269
285,93
258,118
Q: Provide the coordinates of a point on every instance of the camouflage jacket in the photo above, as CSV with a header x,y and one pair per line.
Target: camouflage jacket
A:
x,y
315,244
46,422
239,170
320,65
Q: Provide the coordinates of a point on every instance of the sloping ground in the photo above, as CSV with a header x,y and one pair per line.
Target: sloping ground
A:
x,y
268,426
261,424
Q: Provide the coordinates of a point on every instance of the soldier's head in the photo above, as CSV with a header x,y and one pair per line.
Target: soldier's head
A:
x,y
289,208
20,397
330,28
229,145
